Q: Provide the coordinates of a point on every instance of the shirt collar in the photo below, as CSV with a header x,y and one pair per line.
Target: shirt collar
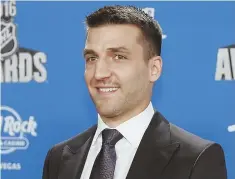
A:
x,y
132,129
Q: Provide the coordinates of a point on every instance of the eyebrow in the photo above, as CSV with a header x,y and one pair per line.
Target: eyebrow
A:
x,y
111,49
88,51
118,49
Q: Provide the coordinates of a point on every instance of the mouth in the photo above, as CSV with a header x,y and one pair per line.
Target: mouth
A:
x,y
107,90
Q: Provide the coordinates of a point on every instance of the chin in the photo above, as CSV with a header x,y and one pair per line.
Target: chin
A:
x,y
108,111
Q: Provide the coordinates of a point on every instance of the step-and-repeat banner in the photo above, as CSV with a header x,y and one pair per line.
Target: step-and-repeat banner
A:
x,y
44,99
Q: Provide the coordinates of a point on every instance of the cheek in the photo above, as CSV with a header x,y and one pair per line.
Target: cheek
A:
x,y
88,76
134,78
141,78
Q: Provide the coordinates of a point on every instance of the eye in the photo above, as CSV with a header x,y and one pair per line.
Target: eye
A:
x,y
119,57
91,59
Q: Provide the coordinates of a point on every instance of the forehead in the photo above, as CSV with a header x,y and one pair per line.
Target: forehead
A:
x,y
107,36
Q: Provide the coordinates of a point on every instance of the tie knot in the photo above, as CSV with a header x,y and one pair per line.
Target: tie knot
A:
x,y
111,136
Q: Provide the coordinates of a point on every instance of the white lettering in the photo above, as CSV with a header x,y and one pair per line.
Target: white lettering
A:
x,y
16,127
231,128
13,127
24,126
10,69
9,122
223,69
12,8
13,143
26,67
232,53
39,59
8,8
32,125
10,166
20,68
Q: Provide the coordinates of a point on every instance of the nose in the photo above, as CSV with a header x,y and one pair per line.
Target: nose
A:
x,y
102,70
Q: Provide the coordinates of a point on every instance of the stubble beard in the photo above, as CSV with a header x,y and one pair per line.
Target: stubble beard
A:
x,y
107,107
112,109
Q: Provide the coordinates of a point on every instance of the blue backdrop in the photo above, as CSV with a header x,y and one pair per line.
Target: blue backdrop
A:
x,y
44,96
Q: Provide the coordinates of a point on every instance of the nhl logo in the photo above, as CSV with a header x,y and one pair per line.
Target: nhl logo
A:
x,y
8,39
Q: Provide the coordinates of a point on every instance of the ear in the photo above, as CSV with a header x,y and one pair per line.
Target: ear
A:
x,y
155,68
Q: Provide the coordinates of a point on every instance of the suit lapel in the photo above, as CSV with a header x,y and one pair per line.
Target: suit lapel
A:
x,y
155,150
153,154
74,156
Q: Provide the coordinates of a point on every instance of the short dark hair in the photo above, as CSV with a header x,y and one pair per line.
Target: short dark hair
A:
x,y
117,14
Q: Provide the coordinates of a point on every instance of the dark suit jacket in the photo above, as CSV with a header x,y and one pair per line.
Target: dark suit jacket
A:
x,y
165,152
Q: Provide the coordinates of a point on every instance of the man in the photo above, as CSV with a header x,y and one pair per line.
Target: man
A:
x,y
131,140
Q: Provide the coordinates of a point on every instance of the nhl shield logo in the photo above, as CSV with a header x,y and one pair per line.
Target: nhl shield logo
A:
x,y
8,39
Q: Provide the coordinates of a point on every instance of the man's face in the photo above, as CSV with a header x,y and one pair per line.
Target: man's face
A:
x,y
116,73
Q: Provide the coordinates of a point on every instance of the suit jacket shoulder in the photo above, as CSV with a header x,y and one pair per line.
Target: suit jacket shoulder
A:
x,y
53,158
197,157
189,142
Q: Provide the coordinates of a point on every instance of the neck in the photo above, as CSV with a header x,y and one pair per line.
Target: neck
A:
x,y
124,116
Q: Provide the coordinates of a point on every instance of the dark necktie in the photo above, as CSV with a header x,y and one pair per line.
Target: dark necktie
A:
x,y
105,162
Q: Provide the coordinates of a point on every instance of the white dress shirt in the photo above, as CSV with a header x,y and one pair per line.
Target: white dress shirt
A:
x,y
132,131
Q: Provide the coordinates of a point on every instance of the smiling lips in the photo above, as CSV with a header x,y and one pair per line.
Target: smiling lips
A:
x,y
107,90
